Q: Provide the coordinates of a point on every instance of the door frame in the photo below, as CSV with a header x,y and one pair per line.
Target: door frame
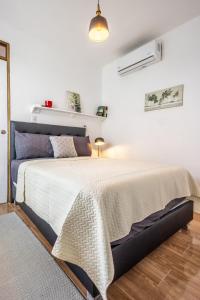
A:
x,y
7,59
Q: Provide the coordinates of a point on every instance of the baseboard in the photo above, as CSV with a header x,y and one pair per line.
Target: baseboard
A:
x,y
197,216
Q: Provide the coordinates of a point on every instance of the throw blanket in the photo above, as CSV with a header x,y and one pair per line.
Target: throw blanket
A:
x,y
91,202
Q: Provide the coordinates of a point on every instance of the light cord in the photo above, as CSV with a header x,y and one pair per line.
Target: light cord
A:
x,y
98,12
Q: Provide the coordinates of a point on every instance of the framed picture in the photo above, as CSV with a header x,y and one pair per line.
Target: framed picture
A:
x,y
74,101
165,98
102,111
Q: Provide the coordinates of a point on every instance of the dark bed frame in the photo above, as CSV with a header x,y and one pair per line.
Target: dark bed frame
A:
x,y
130,252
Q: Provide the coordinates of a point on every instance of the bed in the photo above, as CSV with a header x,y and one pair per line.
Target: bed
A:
x,y
143,236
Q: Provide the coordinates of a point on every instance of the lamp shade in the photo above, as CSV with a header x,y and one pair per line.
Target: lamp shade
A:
x,y
99,141
98,30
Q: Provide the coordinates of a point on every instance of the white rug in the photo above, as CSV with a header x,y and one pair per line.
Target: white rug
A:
x,y
27,270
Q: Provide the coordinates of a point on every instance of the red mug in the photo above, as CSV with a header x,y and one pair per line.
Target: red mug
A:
x,y
48,103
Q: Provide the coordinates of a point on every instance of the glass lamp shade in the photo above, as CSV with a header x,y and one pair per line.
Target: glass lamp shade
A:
x,y
98,31
99,141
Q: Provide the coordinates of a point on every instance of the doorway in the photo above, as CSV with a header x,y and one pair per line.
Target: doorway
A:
x,y
4,122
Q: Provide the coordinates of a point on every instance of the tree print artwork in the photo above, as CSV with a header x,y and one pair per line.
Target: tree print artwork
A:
x,y
165,98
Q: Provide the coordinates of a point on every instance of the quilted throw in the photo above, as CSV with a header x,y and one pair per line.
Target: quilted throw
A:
x,y
91,202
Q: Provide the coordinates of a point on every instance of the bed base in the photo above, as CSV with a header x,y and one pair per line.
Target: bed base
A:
x,y
126,255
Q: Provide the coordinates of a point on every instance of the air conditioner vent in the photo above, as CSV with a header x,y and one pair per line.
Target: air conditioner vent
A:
x,y
140,58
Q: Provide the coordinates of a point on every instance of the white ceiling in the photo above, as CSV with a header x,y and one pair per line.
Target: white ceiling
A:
x,y
131,22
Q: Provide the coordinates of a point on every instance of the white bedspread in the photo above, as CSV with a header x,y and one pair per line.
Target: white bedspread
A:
x,y
91,202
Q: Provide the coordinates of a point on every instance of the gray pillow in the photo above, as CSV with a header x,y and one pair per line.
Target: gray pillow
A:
x,y
63,146
82,145
29,145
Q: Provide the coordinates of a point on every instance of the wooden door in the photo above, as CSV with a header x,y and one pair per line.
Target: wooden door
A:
x,y
4,121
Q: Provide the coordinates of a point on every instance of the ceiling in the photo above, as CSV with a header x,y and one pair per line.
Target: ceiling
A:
x,y
131,22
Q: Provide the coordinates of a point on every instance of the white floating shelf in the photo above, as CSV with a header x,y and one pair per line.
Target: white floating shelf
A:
x,y
36,109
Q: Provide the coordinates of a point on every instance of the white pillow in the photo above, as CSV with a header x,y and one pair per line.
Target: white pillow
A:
x,y
63,146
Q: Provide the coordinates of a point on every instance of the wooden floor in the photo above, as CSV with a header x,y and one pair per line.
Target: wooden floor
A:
x,y
172,271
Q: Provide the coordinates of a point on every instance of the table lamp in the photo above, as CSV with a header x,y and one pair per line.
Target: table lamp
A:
x,y
99,142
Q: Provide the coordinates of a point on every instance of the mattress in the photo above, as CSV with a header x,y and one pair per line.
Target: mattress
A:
x,y
138,227
15,164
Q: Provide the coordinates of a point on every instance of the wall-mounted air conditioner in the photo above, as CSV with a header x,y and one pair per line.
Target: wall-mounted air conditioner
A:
x,y
140,58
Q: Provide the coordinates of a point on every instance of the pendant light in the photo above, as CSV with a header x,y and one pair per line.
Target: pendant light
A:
x,y
98,31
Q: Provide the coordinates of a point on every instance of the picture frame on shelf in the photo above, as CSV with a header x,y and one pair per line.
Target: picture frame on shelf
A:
x,y
102,111
73,101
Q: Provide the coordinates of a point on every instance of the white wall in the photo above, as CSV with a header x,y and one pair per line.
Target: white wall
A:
x,y
170,135
42,70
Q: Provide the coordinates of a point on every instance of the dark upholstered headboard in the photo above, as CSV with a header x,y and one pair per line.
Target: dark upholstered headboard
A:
x,y
41,129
